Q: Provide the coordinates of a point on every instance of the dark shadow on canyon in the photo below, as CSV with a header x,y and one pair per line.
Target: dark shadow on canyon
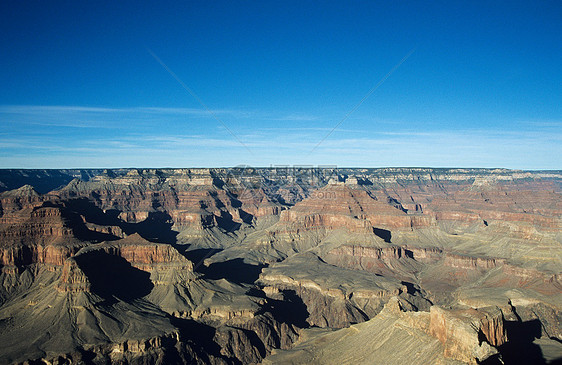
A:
x,y
291,310
157,227
226,223
520,348
200,338
113,276
197,256
236,271
385,234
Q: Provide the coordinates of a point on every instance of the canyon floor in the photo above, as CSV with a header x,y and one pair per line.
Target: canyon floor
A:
x,y
281,266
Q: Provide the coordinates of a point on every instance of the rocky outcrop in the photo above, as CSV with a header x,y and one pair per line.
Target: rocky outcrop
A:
x,y
22,198
394,335
333,297
73,279
467,335
459,334
142,254
390,261
467,262
108,230
385,253
141,351
251,341
425,255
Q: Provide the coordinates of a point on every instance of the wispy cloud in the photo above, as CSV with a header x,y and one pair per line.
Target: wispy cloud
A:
x,y
34,109
90,117
41,109
543,123
39,136
294,117
308,129
35,119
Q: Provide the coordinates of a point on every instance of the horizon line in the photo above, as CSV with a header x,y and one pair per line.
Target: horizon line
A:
x,y
295,166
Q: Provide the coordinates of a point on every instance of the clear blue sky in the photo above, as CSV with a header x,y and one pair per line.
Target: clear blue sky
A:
x,y
80,88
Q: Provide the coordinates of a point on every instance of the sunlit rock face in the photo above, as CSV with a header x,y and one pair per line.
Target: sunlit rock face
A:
x,y
261,265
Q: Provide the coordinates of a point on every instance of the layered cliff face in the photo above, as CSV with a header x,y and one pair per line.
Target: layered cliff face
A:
x,y
351,207
240,265
40,235
196,203
46,233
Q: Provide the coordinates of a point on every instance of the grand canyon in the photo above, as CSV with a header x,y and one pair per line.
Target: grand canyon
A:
x,y
281,266
280,182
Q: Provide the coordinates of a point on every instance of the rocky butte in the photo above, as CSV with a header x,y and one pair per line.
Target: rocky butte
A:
x,y
280,266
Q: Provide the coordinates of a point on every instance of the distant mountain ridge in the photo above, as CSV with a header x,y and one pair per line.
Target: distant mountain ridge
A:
x,y
43,180
46,180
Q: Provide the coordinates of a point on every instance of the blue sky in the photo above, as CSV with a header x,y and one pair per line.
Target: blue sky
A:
x,y
80,88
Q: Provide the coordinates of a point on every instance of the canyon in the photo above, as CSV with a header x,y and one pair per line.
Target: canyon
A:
x,y
280,265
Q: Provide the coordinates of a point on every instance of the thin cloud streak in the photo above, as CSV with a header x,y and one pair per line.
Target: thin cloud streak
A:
x,y
448,148
68,109
85,117
295,118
